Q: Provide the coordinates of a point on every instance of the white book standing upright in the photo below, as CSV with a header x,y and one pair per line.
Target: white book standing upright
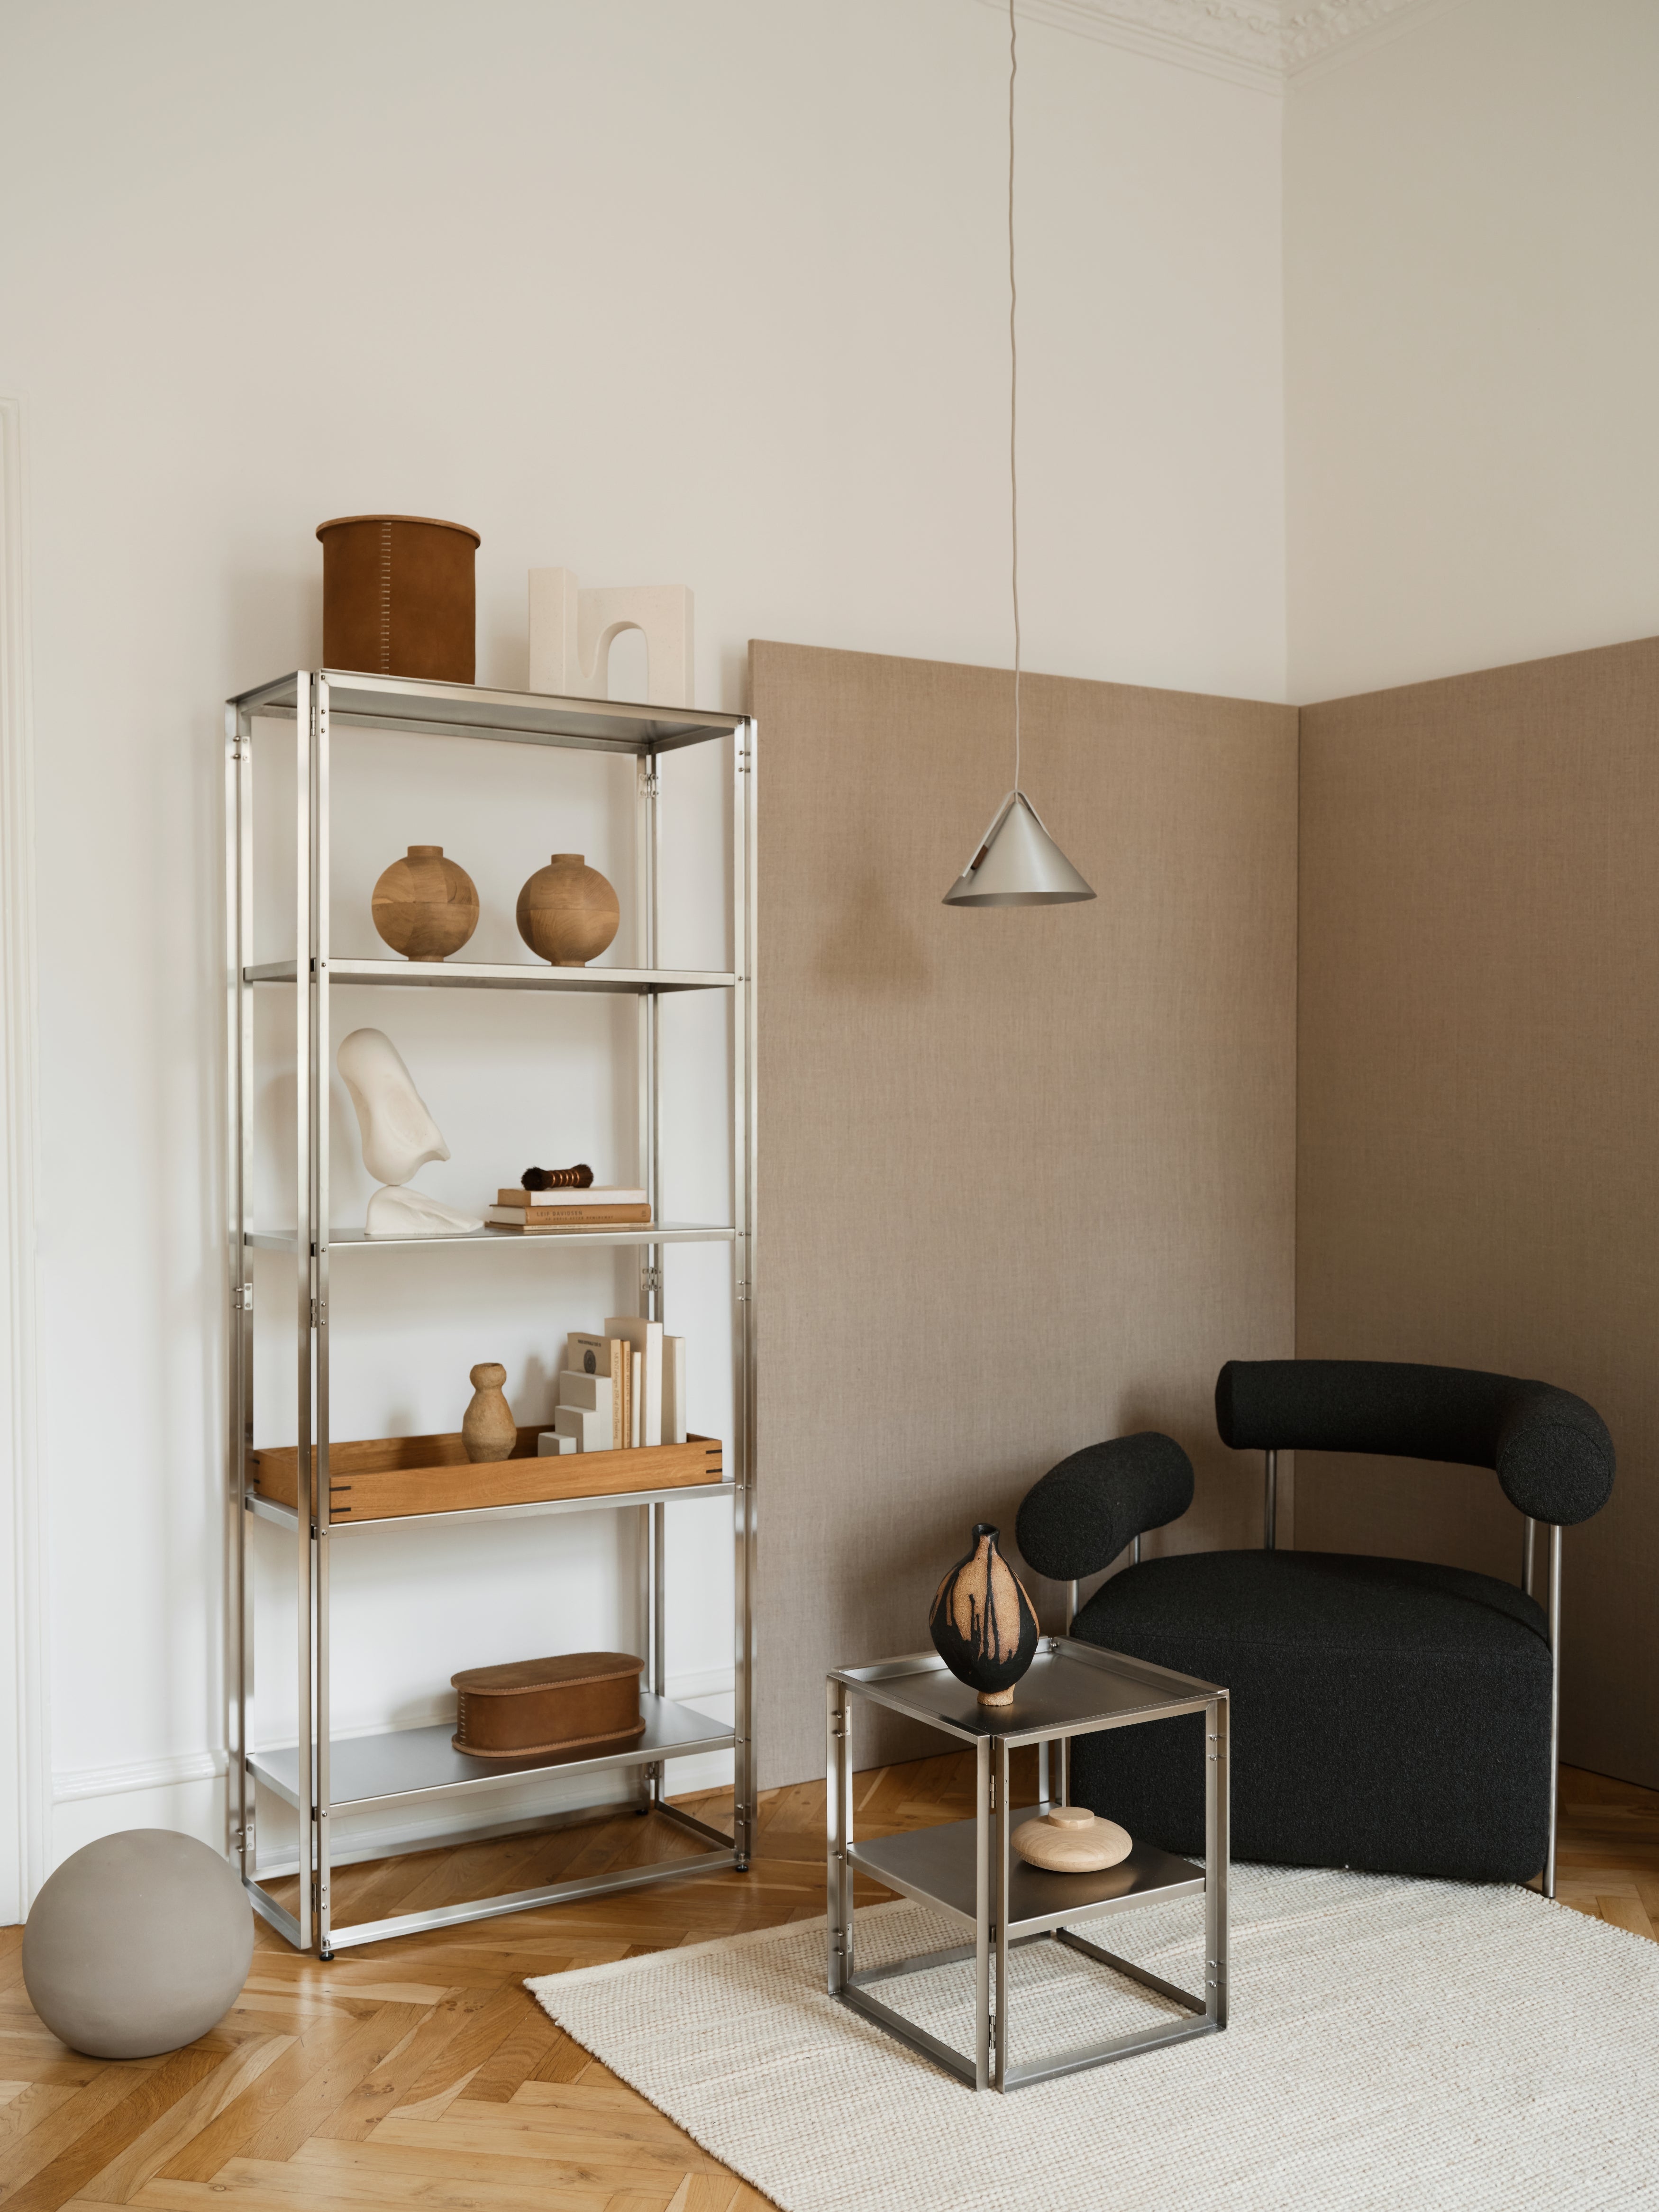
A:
x,y
321,1775
645,1337
673,1389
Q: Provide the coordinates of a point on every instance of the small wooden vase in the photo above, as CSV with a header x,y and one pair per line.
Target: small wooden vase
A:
x,y
487,1428
425,906
1071,1839
568,913
982,1623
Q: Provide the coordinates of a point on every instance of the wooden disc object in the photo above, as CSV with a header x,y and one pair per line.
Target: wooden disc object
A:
x,y
568,913
487,1428
425,906
1071,1839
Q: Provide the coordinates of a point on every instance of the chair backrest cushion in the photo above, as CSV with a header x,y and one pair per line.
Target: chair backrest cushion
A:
x,y
1085,1510
1551,1451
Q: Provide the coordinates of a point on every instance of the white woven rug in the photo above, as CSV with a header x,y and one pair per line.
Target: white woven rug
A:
x,y
1395,2046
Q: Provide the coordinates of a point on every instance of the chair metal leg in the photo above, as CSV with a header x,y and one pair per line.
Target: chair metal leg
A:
x,y
1270,1502
1062,1755
1555,1697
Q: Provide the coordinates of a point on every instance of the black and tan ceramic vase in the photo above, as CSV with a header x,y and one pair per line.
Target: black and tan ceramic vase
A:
x,y
982,1623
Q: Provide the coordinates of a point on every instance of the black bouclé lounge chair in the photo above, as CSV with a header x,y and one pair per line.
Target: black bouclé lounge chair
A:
x,y
1386,1714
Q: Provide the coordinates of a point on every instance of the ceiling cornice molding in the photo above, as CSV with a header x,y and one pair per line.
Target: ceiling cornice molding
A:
x,y
1260,43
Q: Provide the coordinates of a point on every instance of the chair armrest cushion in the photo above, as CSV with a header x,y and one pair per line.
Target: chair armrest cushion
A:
x,y
1555,1458
1085,1510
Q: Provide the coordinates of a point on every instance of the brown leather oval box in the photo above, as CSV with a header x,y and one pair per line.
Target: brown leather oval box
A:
x,y
587,1701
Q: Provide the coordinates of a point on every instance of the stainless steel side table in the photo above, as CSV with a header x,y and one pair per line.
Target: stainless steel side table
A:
x,y
1072,1689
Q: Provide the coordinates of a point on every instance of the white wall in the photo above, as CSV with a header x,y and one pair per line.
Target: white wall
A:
x,y
1472,323
707,292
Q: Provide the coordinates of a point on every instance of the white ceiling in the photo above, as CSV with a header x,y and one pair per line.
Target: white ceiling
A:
x,y
1264,43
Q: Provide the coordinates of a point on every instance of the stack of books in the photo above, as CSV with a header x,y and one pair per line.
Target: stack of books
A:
x,y
536,1212
621,1391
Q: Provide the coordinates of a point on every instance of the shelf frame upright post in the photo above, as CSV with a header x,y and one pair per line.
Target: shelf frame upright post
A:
x,y
321,1061
653,1519
239,1159
743,1079
305,723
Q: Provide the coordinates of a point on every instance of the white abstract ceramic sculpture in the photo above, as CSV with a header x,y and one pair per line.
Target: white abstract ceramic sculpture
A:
x,y
399,1136
394,1211
572,631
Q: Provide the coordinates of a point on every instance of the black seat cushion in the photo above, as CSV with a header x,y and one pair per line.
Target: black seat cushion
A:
x,y
1385,1714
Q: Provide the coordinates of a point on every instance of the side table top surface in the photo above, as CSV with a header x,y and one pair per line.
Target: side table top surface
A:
x,y
1070,1686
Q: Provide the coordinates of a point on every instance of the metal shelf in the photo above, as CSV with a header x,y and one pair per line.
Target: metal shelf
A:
x,y
939,1866
504,975
645,1232
465,710
284,1516
372,1770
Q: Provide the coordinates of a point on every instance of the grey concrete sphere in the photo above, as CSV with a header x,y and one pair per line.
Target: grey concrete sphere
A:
x,y
138,1944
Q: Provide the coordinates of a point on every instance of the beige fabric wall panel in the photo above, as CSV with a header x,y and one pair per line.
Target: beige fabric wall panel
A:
x,y
1478,1144
1026,1175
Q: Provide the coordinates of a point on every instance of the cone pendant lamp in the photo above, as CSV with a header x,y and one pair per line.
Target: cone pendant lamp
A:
x,y
1016,862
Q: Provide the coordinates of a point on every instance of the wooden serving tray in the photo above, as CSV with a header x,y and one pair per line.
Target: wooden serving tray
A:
x,y
385,1478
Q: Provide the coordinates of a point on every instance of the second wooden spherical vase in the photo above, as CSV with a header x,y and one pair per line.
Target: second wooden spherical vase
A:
x,y
568,913
982,1624
487,1428
425,906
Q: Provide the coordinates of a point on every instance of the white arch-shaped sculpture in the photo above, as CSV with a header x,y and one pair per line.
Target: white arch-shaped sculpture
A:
x,y
572,631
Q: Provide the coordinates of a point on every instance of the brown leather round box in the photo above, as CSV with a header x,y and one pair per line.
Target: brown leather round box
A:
x,y
399,596
580,1701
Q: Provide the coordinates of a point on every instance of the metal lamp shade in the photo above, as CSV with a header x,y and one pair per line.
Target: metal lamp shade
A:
x,y
1018,864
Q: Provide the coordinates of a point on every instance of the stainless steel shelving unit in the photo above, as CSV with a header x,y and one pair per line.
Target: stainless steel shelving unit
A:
x,y
321,1777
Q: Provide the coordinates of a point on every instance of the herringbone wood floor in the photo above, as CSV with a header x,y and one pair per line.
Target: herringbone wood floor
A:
x,y
419,2073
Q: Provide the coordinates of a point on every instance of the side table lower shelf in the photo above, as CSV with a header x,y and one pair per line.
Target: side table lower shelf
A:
x,y
400,1764
939,1866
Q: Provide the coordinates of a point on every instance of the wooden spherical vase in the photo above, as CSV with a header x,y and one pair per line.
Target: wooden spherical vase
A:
x,y
424,906
487,1428
568,913
1071,1839
982,1623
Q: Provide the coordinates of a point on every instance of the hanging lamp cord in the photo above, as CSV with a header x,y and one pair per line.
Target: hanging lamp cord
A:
x,y
1014,381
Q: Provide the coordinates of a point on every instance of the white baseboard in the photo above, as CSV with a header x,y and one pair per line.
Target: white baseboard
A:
x,y
68,1789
